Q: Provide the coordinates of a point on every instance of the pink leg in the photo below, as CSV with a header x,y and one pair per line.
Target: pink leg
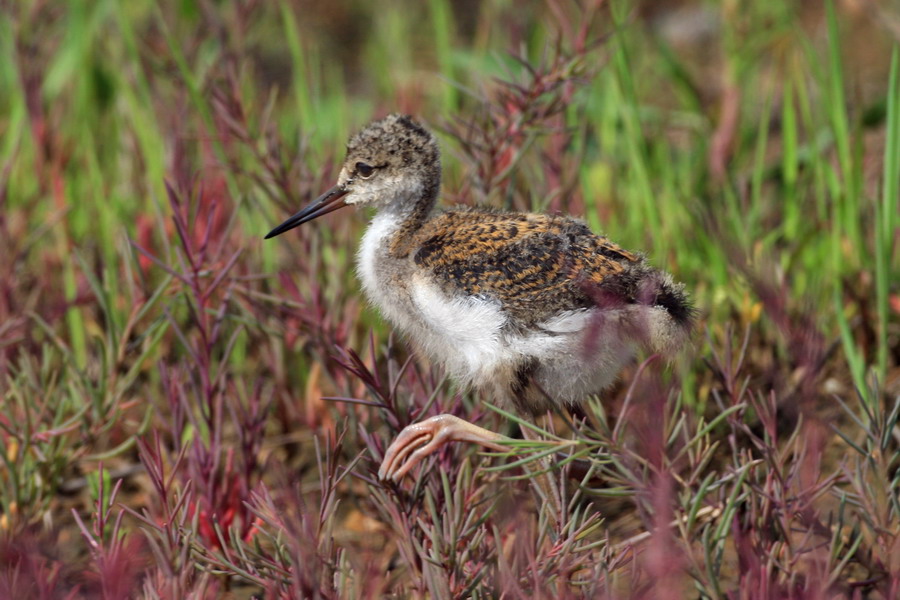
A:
x,y
421,439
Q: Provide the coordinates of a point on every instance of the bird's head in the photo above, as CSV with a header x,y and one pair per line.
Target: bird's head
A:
x,y
393,164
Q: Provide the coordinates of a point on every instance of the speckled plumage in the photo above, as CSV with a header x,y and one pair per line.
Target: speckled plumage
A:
x,y
532,309
537,266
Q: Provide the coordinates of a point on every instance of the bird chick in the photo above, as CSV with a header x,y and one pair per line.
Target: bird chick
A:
x,y
532,310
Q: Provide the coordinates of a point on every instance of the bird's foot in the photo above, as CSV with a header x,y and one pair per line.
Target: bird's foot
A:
x,y
422,439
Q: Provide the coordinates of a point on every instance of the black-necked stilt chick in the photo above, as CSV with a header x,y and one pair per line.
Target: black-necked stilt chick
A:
x,y
530,309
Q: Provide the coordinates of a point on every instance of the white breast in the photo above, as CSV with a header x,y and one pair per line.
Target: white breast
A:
x,y
374,242
463,333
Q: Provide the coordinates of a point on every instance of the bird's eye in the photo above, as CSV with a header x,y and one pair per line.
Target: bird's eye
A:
x,y
365,171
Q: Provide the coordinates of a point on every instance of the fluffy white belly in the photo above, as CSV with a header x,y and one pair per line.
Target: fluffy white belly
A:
x,y
468,336
465,333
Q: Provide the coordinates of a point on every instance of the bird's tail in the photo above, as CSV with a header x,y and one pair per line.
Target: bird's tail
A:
x,y
671,315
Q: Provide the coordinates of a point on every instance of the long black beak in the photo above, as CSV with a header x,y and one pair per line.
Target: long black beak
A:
x,y
328,202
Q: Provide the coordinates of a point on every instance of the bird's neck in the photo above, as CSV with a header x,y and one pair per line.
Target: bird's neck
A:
x,y
410,217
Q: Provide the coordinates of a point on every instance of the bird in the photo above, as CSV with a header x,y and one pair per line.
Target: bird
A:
x,y
535,311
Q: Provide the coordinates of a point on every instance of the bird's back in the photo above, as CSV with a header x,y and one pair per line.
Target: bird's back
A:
x,y
536,266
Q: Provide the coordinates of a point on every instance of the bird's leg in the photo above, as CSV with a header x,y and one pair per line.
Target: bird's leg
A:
x,y
421,439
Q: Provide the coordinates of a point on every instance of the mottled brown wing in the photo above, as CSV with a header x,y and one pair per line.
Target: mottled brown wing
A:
x,y
535,265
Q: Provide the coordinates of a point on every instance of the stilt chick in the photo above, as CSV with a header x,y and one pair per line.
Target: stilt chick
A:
x,y
528,309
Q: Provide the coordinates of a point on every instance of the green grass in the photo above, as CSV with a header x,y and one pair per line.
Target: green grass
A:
x,y
146,148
